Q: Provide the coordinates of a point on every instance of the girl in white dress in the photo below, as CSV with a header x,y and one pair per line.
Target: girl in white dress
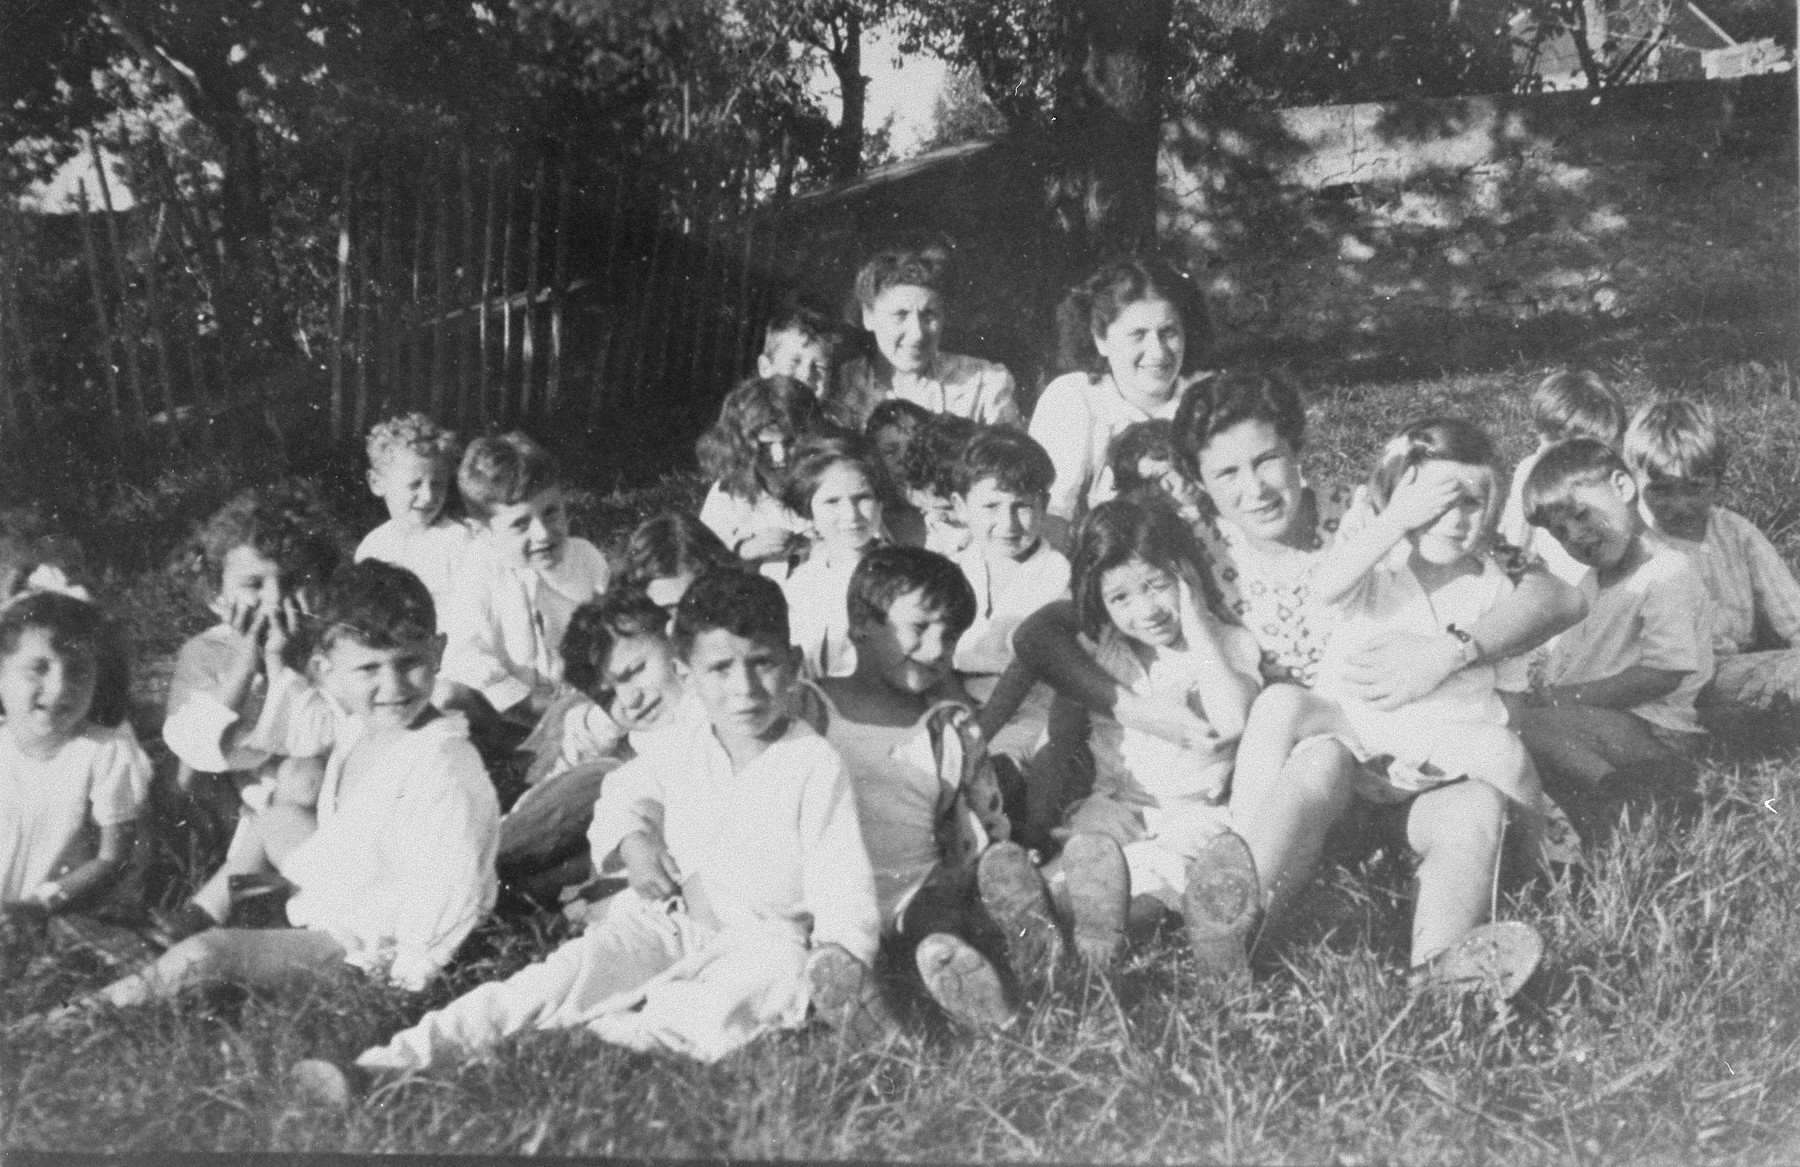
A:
x,y
1423,564
72,776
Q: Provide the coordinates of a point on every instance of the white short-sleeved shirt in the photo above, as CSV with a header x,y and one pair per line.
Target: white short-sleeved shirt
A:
x,y
100,776
1004,597
1747,580
505,624
982,391
1535,541
435,553
1660,617
1075,420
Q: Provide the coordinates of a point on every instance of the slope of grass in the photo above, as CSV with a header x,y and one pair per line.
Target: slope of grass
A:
x,y
1661,1030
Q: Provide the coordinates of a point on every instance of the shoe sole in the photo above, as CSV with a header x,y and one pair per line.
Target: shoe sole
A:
x,y
844,994
1495,958
1099,897
964,983
1219,907
1013,894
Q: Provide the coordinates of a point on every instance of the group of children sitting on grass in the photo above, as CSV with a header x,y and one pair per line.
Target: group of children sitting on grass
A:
x,y
924,708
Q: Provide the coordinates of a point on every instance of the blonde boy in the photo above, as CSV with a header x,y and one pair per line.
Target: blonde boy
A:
x,y
1573,403
902,291
1615,714
396,865
749,887
411,461
1674,448
514,594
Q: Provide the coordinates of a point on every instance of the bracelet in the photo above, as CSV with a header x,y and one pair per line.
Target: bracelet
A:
x,y
1466,644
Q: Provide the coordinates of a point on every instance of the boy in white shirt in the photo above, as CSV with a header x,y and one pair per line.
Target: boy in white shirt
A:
x,y
1614,717
1002,487
411,460
513,596
1572,403
396,866
750,889
952,907
902,293
1675,450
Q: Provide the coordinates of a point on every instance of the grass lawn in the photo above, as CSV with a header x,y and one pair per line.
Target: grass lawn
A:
x,y
1664,1026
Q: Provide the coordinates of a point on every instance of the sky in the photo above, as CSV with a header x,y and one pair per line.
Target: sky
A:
x,y
904,88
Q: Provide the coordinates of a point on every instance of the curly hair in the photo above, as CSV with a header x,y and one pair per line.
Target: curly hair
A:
x,y
931,460
1228,400
412,433
596,627
729,453
671,544
1089,310
75,628
286,524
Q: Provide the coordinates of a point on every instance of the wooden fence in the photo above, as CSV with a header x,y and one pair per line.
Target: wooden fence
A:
x,y
512,288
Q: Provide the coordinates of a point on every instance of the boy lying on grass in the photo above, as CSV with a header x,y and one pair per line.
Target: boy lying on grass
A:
x,y
397,864
748,876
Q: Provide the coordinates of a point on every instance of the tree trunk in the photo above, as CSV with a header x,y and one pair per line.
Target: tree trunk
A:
x,y
847,142
1108,127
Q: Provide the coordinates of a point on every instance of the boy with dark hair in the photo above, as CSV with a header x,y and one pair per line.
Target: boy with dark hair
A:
x,y
1674,448
513,597
1571,403
617,655
950,902
1614,716
903,293
396,865
1002,486
262,557
749,883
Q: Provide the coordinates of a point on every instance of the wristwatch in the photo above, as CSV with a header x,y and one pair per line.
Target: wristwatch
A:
x,y
1471,651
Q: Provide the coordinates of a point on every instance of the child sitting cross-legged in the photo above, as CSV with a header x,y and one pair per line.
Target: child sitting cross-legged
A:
x,y
73,779
950,908
617,655
1572,403
750,889
1613,720
262,558
411,462
513,596
1674,448
396,866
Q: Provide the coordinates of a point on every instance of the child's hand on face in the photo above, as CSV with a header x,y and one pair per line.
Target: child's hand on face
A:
x,y
278,629
1420,500
649,867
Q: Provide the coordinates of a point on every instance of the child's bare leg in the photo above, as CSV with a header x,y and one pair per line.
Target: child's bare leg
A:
x,y
263,958
262,840
1287,831
1283,716
1456,831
